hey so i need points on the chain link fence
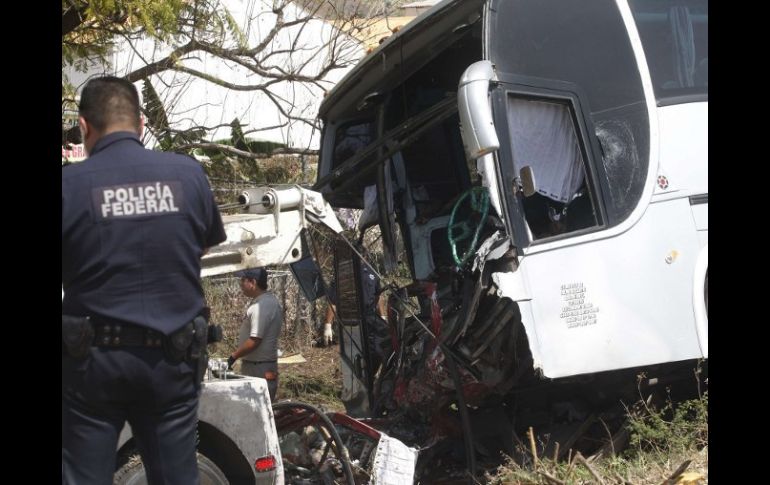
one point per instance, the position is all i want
(228, 308)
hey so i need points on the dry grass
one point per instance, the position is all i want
(317, 381)
(662, 441)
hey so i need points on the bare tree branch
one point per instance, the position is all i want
(243, 153)
(284, 54)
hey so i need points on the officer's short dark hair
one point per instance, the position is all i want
(109, 100)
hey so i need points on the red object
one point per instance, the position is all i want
(265, 464)
(354, 424)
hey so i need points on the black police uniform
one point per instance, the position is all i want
(135, 223)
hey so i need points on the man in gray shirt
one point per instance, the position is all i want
(260, 330)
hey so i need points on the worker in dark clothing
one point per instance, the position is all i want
(374, 315)
(135, 223)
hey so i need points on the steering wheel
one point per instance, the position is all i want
(461, 230)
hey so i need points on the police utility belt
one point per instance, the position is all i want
(189, 343)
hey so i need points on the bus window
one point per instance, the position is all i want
(350, 139)
(544, 138)
(675, 40)
(583, 48)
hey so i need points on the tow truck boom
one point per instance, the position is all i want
(269, 232)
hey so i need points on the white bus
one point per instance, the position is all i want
(539, 169)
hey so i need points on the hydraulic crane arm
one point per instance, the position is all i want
(269, 233)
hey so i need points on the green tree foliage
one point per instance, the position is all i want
(89, 26)
(244, 166)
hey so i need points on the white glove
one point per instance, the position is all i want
(327, 334)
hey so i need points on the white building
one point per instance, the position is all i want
(414, 9)
(301, 49)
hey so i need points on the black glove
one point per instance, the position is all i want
(230, 361)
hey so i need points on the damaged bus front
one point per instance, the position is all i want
(540, 167)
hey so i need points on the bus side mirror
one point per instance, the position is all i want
(476, 124)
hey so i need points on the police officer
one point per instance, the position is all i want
(135, 223)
